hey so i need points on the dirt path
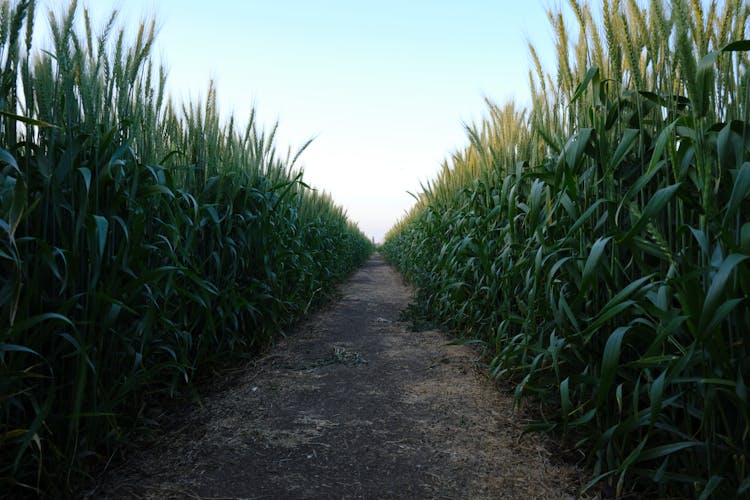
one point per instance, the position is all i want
(351, 405)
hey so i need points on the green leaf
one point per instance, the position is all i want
(701, 238)
(156, 190)
(744, 486)
(576, 146)
(9, 159)
(665, 136)
(716, 290)
(634, 455)
(39, 318)
(18, 207)
(653, 207)
(584, 217)
(29, 121)
(596, 480)
(711, 486)
(213, 213)
(71, 340)
(102, 226)
(636, 285)
(741, 388)
(605, 315)
(86, 174)
(562, 303)
(740, 191)
(17, 348)
(565, 398)
(722, 312)
(583, 419)
(610, 362)
(656, 395)
(592, 262)
(736, 46)
(626, 144)
(667, 449)
(652, 361)
(590, 74)
(704, 74)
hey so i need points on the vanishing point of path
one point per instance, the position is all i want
(352, 404)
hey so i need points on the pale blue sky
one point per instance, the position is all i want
(385, 86)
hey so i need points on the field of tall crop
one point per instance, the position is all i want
(598, 243)
(140, 242)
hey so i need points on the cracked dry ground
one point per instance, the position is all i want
(351, 404)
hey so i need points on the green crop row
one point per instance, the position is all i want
(139, 243)
(598, 244)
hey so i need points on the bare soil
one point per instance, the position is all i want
(352, 404)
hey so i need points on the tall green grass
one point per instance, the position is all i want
(598, 243)
(139, 242)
